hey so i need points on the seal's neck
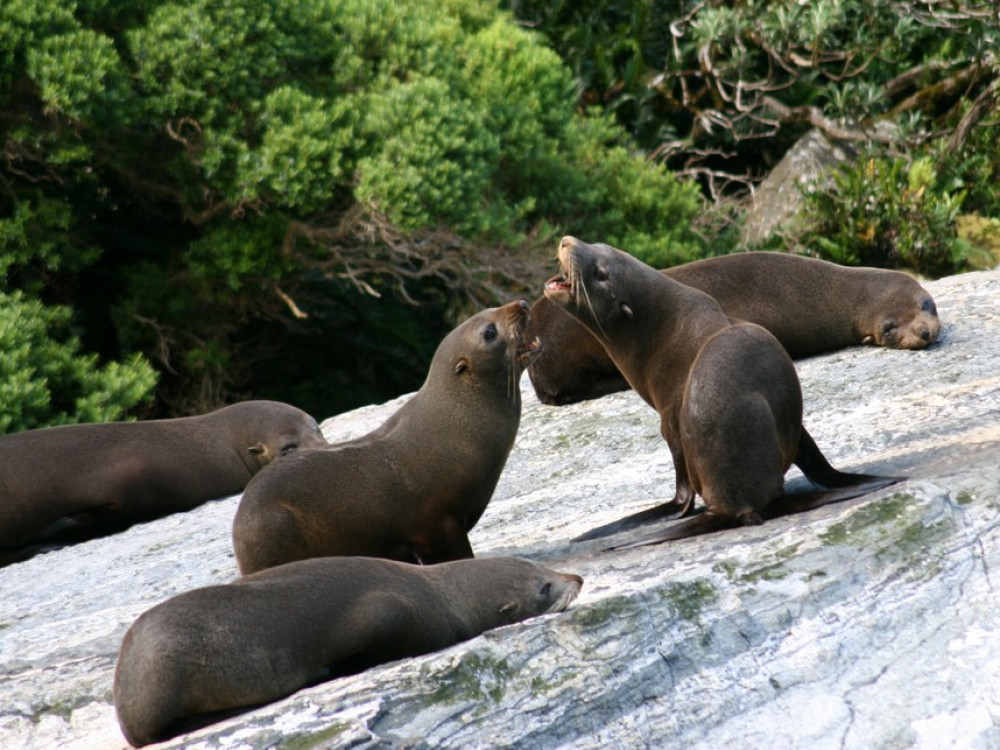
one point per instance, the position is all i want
(668, 325)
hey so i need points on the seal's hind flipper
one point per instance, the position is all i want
(799, 502)
(668, 511)
(785, 505)
(817, 469)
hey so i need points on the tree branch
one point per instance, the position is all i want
(815, 117)
(987, 101)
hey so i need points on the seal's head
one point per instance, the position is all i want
(589, 287)
(265, 431)
(504, 590)
(490, 349)
(913, 325)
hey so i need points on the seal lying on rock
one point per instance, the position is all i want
(811, 306)
(727, 392)
(204, 654)
(413, 488)
(66, 484)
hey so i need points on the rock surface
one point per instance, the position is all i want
(871, 623)
(778, 197)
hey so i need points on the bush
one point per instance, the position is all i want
(45, 380)
(209, 174)
(721, 90)
(887, 211)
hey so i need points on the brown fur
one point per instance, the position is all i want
(263, 637)
(412, 489)
(811, 306)
(67, 484)
(727, 392)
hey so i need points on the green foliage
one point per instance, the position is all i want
(721, 90)
(35, 240)
(632, 207)
(974, 168)
(81, 77)
(434, 160)
(235, 251)
(305, 145)
(887, 211)
(45, 381)
(194, 178)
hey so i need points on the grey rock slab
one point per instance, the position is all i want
(870, 623)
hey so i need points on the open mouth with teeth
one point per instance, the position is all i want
(559, 284)
(527, 351)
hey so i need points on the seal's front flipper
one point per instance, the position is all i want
(665, 512)
(705, 523)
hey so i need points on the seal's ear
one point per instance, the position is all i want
(461, 366)
(627, 311)
(256, 449)
(508, 608)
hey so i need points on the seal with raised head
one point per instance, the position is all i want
(811, 306)
(727, 392)
(413, 488)
(60, 485)
(209, 653)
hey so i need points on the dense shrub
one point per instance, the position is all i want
(720, 91)
(45, 380)
(884, 211)
(215, 182)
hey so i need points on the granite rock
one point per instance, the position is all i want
(870, 623)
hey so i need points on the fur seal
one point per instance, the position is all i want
(60, 485)
(727, 392)
(208, 653)
(413, 488)
(811, 306)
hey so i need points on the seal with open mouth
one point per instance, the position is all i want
(727, 393)
(413, 488)
(810, 305)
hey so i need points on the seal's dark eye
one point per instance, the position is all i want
(288, 448)
(929, 306)
(490, 333)
(888, 326)
(546, 589)
(600, 274)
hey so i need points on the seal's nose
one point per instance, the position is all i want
(568, 242)
(925, 334)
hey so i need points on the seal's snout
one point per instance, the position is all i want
(517, 310)
(563, 282)
(566, 247)
(517, 317)
(568, 589)
(917, 334)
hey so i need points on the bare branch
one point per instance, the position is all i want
(987, 101)
(290, 303)
(364, 246)
(948, 88)
(815, 117)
